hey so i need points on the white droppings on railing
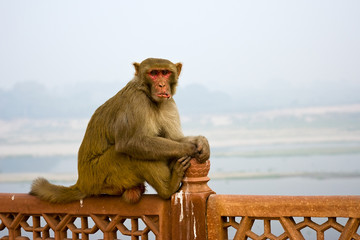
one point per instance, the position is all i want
(195, 236)
(193, 219)
(179, 199)
(81, 203)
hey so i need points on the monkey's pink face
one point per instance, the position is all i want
(160, 83)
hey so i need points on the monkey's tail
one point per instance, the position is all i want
(44, 190)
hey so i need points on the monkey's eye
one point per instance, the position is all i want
(154, 72)
(164, 72)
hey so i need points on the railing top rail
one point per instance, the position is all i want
(27, 204)
(277, 206)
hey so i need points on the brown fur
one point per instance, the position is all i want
(133, 137)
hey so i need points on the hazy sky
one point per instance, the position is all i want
(227, 45)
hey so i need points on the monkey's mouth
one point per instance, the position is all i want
(164, 95)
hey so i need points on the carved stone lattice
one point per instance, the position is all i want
(288, 228)
(68, 226)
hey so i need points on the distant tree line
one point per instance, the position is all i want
(33, 100)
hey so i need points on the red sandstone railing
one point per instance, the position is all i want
(194, 212)
(292, 215)
(103, 217)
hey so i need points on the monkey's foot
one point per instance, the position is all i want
(181, 166)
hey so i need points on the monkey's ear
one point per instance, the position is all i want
(178, 68)
(137, 67)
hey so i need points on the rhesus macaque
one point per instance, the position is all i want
(133, 137)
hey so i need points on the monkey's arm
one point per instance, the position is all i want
(155, 148)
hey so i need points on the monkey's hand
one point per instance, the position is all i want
(203, 149)
(202, 152)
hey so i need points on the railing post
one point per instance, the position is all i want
(189, 204)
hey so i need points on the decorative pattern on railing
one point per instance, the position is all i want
(288, 228)
(105, 218)
(283, 217)
(49, 226)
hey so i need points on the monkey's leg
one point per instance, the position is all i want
(164, 180)
(110, 173)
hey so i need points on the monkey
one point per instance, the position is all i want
(133, 138)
